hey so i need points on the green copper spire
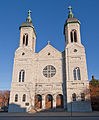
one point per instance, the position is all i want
(70, 12)
(29, 17)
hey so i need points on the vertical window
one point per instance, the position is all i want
(82, 97)
(74, 97)
(23, 73)
(16, 98)
(76, 73)
(21, 76)
(73, 35)
(25, 39)
(24, 98)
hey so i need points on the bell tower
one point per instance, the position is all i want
(27, 34)
(77, 83)
(72, 29)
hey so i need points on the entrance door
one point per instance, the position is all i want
(49, 101)
(38, 101)
(59, 101)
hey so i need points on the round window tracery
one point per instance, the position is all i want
(49, 71)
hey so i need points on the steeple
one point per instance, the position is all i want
(29, 17)
(27, 34)
(70, 12)
(72, 29)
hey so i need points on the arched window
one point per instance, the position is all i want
(24, 98)
(82, 97)
(21, 76)
(76, 73)
(73, 35)
(74, 97)
(25, 39)
(16, 98)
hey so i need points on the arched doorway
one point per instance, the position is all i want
(59, 101)
(38, 101)
(49, 101)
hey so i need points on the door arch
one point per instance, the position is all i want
(38, 101)
(49, 101)
(59, 101)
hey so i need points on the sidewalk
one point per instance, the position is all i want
(87, 114)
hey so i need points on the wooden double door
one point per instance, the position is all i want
(49, 101)
(38, 101)
(59, 101)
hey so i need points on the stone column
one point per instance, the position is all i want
(54, 101)
(43, 101)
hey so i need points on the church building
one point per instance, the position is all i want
(50, 79)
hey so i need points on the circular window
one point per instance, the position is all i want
(48, 53)
(23, 53)
(49, 71)
(75, 50)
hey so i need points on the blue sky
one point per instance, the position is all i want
(48, 17)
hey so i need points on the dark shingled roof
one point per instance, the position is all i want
(27, 24)
(72, 20)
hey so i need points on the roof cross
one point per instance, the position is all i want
(48, 42)
(29, 12)
(70, 12)
(69, 8)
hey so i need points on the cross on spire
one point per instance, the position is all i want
(48, 42)
(69, 8)
(70, 12)
(29, 17)
(29, 12)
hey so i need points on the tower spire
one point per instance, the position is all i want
(70, 12)
(29, 17)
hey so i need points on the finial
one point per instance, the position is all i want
(70, 12)
(48, 42)
(29, 12)
(29, 17)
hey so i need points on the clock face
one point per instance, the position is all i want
(49, 71)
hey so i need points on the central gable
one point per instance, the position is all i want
(49, 52)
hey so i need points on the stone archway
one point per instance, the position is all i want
(49, 101)
(59, 101)
(38, 101)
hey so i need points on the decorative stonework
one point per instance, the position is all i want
(50, 78)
